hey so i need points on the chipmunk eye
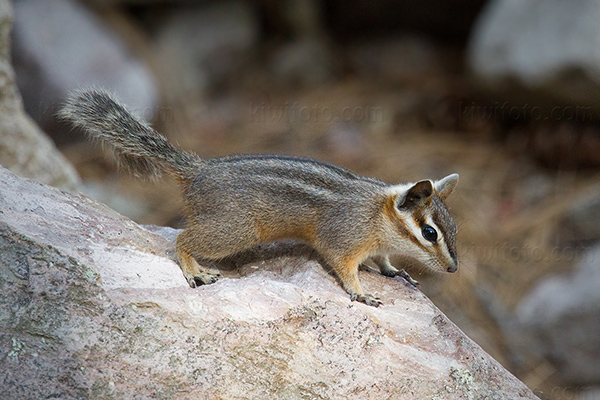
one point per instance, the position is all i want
(429, 233)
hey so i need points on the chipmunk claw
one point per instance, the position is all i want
(403, 274)
(203, 278)
(366, 299)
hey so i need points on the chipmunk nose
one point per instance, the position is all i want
(453, 267)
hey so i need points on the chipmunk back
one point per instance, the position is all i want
(234, 203)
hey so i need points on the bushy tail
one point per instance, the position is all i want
(145, 152)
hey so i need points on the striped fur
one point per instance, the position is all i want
(145, 152)
(409, 221)
(236, 202)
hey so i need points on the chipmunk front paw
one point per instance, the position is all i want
(403, 274)
(408, 278)
(202, 278)
(367, 299)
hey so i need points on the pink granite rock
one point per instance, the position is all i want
(93, 306)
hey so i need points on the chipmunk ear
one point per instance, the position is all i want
(417, 195)
(445, 186)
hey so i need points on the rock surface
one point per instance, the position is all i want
(92, 306)
(542, 48)
(24, 148)
(59, 46)
(560, 320)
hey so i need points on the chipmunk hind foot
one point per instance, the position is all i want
(193, 273)
(367, 299)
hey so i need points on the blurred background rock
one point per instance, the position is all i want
(504, 92)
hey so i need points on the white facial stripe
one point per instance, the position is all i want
(425, 252)
(416, 230)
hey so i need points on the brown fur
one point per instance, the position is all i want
(234, 203)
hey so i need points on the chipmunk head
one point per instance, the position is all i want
(423, 226)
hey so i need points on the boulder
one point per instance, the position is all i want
(24, 148)
(542, 53)
(61, 45)
(92, 305)
(560, 321)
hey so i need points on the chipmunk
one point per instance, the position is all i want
(234, 203)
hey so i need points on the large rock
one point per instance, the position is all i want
(544, 51)
(92, 306)
(60, 45)
(24, 148)
(560, 321)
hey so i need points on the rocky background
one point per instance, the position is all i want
(504, 92)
